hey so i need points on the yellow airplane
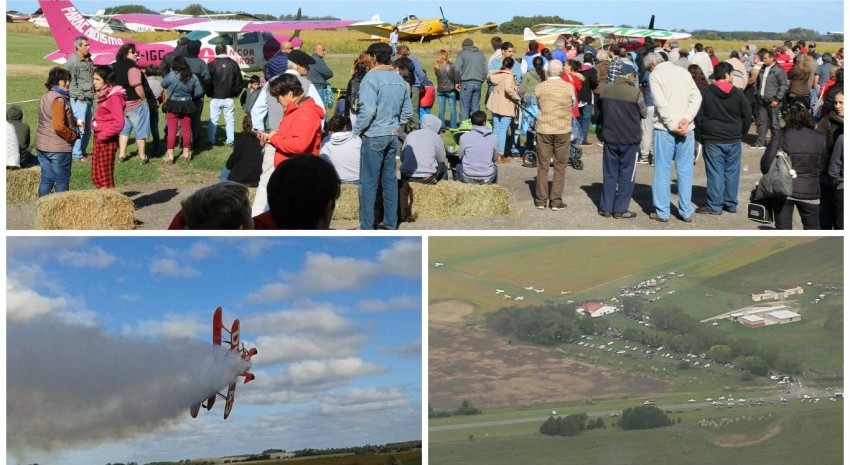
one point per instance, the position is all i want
(413, 29)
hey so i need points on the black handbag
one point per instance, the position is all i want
(759, 210)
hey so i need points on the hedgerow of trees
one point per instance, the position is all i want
(570, 425)
(465, 409)
(643, 417)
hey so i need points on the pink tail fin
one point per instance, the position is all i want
(67, 23)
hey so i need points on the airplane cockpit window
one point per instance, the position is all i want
(225, 39)
(267, 36)
(197, 35)
(409, 18)
(248, 38)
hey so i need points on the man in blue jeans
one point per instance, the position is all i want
(471, 67)
(722, 120)
(384, 107)
(677, 101)
(82, 94)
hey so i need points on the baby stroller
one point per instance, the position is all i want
(529, 158)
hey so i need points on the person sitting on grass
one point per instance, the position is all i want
(15, 116)
(423, 155)
(224, 205)
(302, 194)
(245, 164)
(342, 149)
(478, 153)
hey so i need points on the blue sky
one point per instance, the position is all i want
(337, 322)
(766, 15)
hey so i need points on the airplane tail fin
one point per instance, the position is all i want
(67, 23)
(528, 34)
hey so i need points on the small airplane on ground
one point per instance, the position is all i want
(245, 39)
(439, 264)
(413, 29)
(237, 349)
(13, 16)
(627, 37)
(499, 291)
(539, 290)
(529, 288)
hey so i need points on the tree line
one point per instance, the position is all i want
(547, 324)
(570, 425)
(465, 409)
(197, 9)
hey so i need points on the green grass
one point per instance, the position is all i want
(806, 434)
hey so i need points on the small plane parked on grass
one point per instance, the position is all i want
(627, 37)
(413, 29)
(237, 349)
(244, 39)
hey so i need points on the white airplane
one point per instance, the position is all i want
(499, 291)
(439, 264)
(539, 290)
(506, 297)
(529, 288)
(565, 292)
(519, 298)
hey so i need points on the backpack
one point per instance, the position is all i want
(778, 182)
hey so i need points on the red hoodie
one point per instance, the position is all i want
(108, 118)
(300, 130)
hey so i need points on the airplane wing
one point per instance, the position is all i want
(376, 27)
(195, 23)
(231, 396)
(464, 30)
(554, 30)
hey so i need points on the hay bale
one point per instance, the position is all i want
(22, 185)
(91, 209)
(348, 204)
(446, 199)
(453, 199)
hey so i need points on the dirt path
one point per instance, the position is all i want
(157, 204)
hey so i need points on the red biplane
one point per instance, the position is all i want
(236, 349)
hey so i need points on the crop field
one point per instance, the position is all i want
(518, 384)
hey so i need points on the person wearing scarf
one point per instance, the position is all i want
(56, 133)
(107, 124)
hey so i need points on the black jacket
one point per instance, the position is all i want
(622, 109)
(590, 83)
(723, 117)
(226, 78)
(807, 150)
(246, 161)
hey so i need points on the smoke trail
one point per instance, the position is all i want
(71, 385)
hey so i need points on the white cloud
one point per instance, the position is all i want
(171, 326)
(255, 246)
(412, 350)
(89, 257)
(201, 251)
(25, 246)
(305, 316)
(325, 273)
(288, 348)
(395, 303)
(363, 400)
(171, 267)
(130, 297)
(23, 303)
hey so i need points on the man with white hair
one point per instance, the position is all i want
(554, 125)
(677, 101)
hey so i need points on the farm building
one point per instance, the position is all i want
(766, 316)
(752, 321)
(773, 294)
(595, 309)
(782, 316)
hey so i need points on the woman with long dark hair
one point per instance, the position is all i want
(806, 149)
(56, 133)
(107, 124)
(181, 87)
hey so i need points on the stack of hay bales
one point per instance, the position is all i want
(91, 209)
(22, 185)
(446, 199)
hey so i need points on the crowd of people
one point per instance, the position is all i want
(656, 105)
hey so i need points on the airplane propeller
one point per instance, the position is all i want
(445, 21)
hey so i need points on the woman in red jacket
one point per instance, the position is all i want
(107, 124)
(300, 130)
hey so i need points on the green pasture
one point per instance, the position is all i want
(796, 433)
